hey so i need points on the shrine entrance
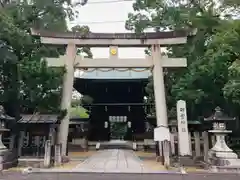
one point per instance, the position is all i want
(154, 62)
(118, 127)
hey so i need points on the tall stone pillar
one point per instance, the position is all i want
(183, 134)
(159, 89)
(68, 79)
(160, 99)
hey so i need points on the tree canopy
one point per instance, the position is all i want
(26, 81)
(212, 76)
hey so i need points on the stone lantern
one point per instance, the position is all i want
(221, 154)
(7, 158)
(3, 119)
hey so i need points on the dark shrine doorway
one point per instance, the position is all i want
(118, 109)
(119, 122)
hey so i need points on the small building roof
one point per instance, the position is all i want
(39, 118)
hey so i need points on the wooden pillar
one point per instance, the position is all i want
(47, 154)
(190, 144)
(205, 145)
(197, 143)
(57, 157)
(166, 153)
(172, 141)
(12, 141)
(37, 143)
(20, 142)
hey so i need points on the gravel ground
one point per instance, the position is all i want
(99, 176)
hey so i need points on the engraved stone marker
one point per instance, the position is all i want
(183, 138)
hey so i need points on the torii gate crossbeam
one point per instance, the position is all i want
(117, 63)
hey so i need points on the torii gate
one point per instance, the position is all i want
(71, 61)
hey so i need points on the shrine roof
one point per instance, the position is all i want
(38, 118)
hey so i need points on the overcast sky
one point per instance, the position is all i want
(94, 12)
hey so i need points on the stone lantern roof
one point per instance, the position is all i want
(4, 116)
(218, 115)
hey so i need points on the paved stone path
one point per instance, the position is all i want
(115, 160)
(113, 176)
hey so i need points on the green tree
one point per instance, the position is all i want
(38, 87)
(209, 53)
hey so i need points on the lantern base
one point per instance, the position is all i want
(8, 159)
(221, 154)
(223, 158)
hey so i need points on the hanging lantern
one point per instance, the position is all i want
(106, 108)
(122, 119)
(129, 124)
(113, 118)
(129, 108)
(105, 124)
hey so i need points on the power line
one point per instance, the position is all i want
(109, 1)
(98, 22)
(105, 22)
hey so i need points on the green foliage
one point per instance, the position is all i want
(212, 76)
(86, 99)
(232, 87)
(26, 79)
(84, 30)
(78, 112)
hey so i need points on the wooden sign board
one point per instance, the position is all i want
(161, 134)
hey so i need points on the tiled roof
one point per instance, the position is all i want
(39, 118)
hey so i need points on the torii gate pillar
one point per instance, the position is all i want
(68, 79)
(160, 102)
(159, 88)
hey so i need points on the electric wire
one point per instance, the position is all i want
(104, 2)
(108, 2)
(98, 22)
